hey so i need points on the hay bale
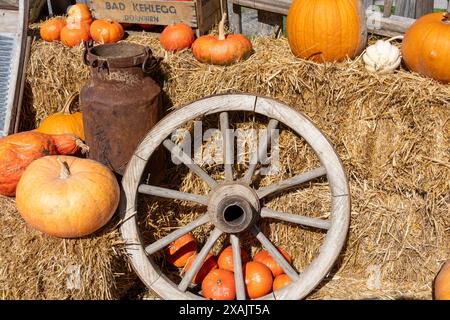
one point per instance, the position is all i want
(36, 266)
(391, 131)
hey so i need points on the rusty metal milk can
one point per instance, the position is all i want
(120, 103)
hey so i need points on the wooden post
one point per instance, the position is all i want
(234, 17)
(413, 8)
(388, 8)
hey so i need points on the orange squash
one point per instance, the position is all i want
(106, 31)
(207, 265)
(177, 37)
(258, 279)
(18, 150)
(67, 197)
(426, 46)
(326, 30)
(75, 33)
(79, 12)
(219, 285)
(442, 283)
(64, 121)
(180, 250)
(221, 49)
(225, 260)
(281, 281)
(265, 258)
(50, 30)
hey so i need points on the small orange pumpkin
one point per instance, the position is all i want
(219, 285)
(221, 49)
(64, 121)
(66, 196)
(179, 251)
(258, 279)
(426, 46)
(207, 265)
(50, 30)
(225, 260)
(106, 31)
(281, 281)
(79, 12)
(75, 33)
(18, 150)
(442, 283)
(177, 37)
(265, 258)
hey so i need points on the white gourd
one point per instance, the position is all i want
(382, 57)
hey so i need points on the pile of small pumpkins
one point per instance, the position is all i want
(79, 26)
(221, 49)
(316, 34)
(57, 191)
(216, 274)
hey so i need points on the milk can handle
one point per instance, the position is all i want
(100, 64)
(150, 62)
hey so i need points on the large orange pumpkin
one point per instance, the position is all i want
(442, 283)
(64, 121)
(225, 260)
(50, 30)
(221, 49)
(75, 33)
(179, 251)
(219, 285)
(79, 12)
(207, 265)
(258, 279)
(18, 150)
(326, 30)
(67, 197)
(106, 31)
(426, 46)
(177, 37)
(265, 258)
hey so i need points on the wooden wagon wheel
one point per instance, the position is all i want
(235, 195)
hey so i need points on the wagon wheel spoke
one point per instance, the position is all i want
(187, 279)
(172, 194)
(273, 251)
(294, 218)
(162, 243)
(237, 265)
(262, 149)
(291, 182)
(189, 162)
(228, 150)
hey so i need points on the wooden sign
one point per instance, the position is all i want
(146, 11)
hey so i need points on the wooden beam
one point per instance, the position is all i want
(413, 8)
(388, 8)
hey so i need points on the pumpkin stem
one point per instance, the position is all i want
(222, 27)
(66, 109)
(65, 172)
(84, 148)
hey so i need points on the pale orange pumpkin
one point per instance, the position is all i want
(442, 283)
(106, 31)
(221, 49)
(426, 46)
(177, 37)
(326, 30)
(281, 281)
(50, 30)
(79, 12)
(75, 33)
(66, 196)
(64, 121)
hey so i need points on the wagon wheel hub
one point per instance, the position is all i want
(233, 207)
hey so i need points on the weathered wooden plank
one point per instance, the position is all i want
(269, 22)
(392, 26)
(413, 8)
(234, 16)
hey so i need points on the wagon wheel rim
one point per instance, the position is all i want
(331, 166)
